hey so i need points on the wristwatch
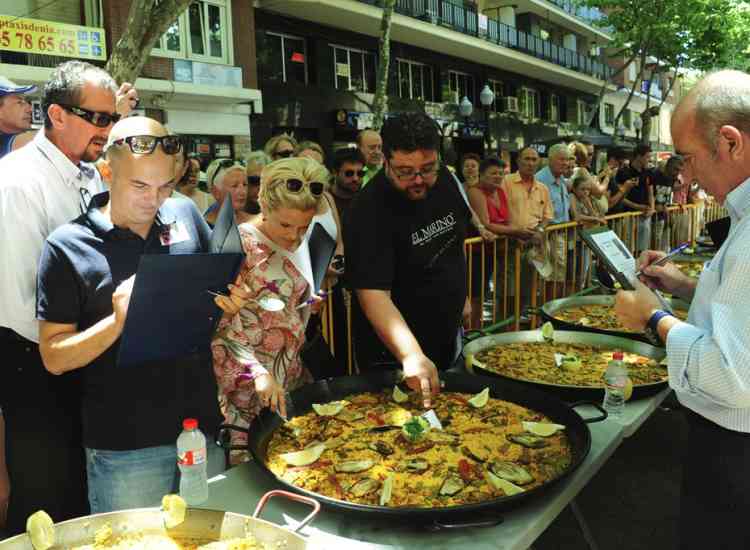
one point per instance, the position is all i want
(650, 331)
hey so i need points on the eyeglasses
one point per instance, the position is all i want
(253, 180)
(98, 119)
(295, 186)
(350, 173)
(284, 154)
(145, 145)
(409, 174)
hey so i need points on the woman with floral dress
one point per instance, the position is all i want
(256, 352)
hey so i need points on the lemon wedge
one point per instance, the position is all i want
(329, 409)
(398, 395)
(305, 456)
(571, 362)
(542, 429)
(41, 530)
(504, 485)
(480, 399)
(548, 331)
(173, 508)
(385, 493)
(628, 391)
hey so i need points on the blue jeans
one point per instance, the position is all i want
(119, 480)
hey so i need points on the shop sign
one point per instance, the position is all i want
(51, 38)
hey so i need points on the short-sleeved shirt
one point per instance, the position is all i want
(415, 249)
(639, 193)
(558, 192)
(527, 206)
(81, 265)
(663, 185)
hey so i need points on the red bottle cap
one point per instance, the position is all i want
(189, 424)
(617, 356)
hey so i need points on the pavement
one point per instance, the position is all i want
(633, 502)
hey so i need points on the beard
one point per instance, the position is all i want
(415, 191)
(93, 150)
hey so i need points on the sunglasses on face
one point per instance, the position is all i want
(295, 186)
(253, 180)
(284, 154)
(350, 173)
(145, 145)
(98, 119)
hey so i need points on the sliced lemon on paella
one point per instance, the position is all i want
(41, 530)
(542, 429)
(173, 508)
(387, 490)
(504, 485)
(548, 331)
(305, 456)
(329, 409)
(480, 399)
(398, 395)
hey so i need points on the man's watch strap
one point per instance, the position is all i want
(651, 327)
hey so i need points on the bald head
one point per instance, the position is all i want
(371, 146)
(128, 127)
(720, 99)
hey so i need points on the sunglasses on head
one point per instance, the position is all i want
(145, 145)
(98, 119)
(284, 154)
(295, 186)
(350, 173)
(253, 180)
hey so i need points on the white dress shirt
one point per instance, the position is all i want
(709, 356)
(40, 189)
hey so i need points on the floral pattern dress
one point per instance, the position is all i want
(255, 341)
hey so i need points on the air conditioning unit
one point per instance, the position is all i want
(510, 104)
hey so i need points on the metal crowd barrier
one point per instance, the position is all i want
(504, 285)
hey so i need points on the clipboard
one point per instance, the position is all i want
(321, 246)
(171, 314)
(620, 263)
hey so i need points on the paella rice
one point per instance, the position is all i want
(601, 316)
(377, 453)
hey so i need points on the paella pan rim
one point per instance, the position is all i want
(578, 433)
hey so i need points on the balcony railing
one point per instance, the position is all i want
(466, 21)
(590, 15)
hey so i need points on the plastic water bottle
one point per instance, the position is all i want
(191, 459)
(615, 382)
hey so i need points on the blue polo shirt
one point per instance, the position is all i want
(81, 265)
(558, 192)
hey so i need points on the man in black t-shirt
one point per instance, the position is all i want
(664, 179)
(131, 416)
(405, 258)
(640, 198)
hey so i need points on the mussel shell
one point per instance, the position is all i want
(417, 465)
(354, 466)
(381, 447)
(452, 485)
(364, 487)
(528, 440)
(511, 472)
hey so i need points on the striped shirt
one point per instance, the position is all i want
(709, 356)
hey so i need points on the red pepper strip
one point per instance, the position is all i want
(379, 420)
(475, 430)
(313, 466)
(459, 398)
(421, 449)
(465, 470)
(336, 485)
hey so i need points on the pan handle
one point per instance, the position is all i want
(222, 442)
(440, 526)
(594, 404)
(291, 496)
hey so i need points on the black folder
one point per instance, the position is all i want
(171, 313)
(321, 246)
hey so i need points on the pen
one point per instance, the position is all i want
(321, 294)
(665, 259)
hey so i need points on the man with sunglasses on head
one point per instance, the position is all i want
(45, 184)
(405, 258)
(131, 417)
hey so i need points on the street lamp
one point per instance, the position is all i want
(638, 125)
(465, 108)
(486, 98)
